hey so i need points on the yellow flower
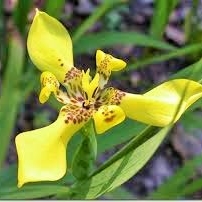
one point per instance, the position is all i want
(42, 152)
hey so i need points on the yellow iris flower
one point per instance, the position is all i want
(42, 152)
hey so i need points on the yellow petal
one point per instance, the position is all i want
(49, 45)
(49, 84)
(162, 105)
(107, 117)
(42, 152)
(106, 61)
(105, 64)
(88, 85)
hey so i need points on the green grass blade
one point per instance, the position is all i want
(3, 46)
(10, 96)
(54, 8)
(173, 187)
(8, 176)
(189, 189)
(120, 193)
(160, 58)
(162, 11)
(189, 26)
(193, 72)
(91, 42)
(97, 14)
(21, 14)
(32, 191)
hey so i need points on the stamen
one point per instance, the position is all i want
(95, 91)
(90, 86)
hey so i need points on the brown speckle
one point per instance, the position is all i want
(110, 119)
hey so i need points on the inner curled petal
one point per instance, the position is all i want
(49, 83)
(105, 64)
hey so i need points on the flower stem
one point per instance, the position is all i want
(85, 155)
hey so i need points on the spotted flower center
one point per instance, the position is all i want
(90, 88)
(81, 89)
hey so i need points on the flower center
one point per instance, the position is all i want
(90, 87)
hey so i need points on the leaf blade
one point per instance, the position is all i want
(105, 39)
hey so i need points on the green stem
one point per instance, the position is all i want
(86, 153)
(89, 132)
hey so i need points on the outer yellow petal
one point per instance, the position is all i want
(107, 117)
(162, 105)
(49, 45)
(42, 152)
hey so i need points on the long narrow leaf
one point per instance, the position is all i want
(32, 191)
(10, 96)
(119, 171)
(91, 42)
(21, 14)
(160, 58)
(54, 8)
(98, 13)
(162, 11)
(176, 185)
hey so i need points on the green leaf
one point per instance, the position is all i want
(3, 35)
(54, 8)
(91, 42)
(191, 188)
(86, 153)
(21, 14)
(192, 121)
(93, 18)
(193, 72)
(190, 49)
(118, 135)
(31, 191)
(176, 185)
(190, 25)
(120, 193)
(8, 176)
(162, 11)
(10, 95)
(120, 170)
